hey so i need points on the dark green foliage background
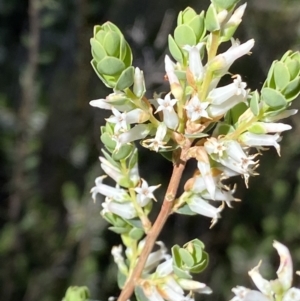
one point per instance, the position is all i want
(51, 233)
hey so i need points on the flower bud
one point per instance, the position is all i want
(112, 57)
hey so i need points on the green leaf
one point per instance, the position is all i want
(185, 209)
(184, 35)
(133, 159)
(77, 293)
(121, 279)
(110, 159)
(167, 155)
(197, 25)
(237, 111)
(111, 43)
(98, 51)
(110, 66)
(126, 54)
(186, 16)
(270, 82)
(225, 4)
(254, 103)
(223, 128)
(281, 75)
(123, 152)
(196, 135)
(118, 230)
(292, 90)
(273, 98)
(108, 141)
(126, 79)
(107, 82)
(198, 268)
(293, 67)
(100, 35)
(186, 257)
(181, 273)
(211, 20)
(135, 223)
(136, 234)
(175, 50)
(176, 255)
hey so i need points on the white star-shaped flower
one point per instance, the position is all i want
(145, 193)
(196, 109)
(119, 119)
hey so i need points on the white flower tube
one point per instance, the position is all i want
(195, 63)
(167, 106)
(125, 210)
(285, 270)
(117, 194)
(223, 61)
(258, 140)
(202, 207)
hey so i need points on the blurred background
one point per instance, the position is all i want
(51, 233)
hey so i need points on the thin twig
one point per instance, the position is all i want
(158, 225)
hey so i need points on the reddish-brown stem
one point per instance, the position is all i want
(158, 224)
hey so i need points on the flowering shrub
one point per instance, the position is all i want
(223, 128)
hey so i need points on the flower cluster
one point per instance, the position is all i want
(163, 278)
(224, 128)
(279, 289)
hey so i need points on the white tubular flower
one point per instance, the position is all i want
(111, 170)
(137, 132)
(219, 95)
(175, 86)
(170, 70)
(138, 82)
(258, 140)
(126, 210)
(278, 289)
(222, 193)
(194, 286)
(116, 252)
(156, 257)
(269, 127)
(234, 157)
(195, 109)
(134, 175)
(165, 268)
(152, 294)
(145, 193)
(220, 110)
(285, 270)
(222, 15)
(215, 146)
(223, 61)
(117, 100)
(292, 294)
(202, 207)
(205, 170)
(236, 17)
(172, 291)
(119, 119)
(167, 106)
(262, 284)
(122, 120)
(281, 115)
(117, 194)
(195, 64)
(157, 142)
(244, 294)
